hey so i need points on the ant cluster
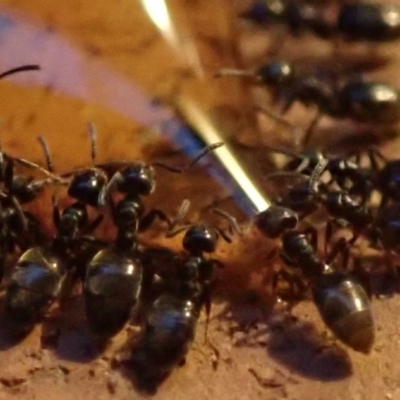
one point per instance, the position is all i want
(120, 278)
(342, 188)
(123, 276)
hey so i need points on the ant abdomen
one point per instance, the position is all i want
(373, 102)
(36, 282)
(167, 335)
(111, 290)
(345, 308)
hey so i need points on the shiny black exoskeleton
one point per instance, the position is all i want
(344, 194)
(114, 276)
(170, 323)
(298, 16)
(341, 300)
(18, 228)
(40, 274)
(343, 205)
(355, 21)
(359, 100)
(369, 21)
(373, 102)
(93, 186)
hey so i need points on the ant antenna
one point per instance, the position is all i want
(47, 153)
(12, 71)
(296, 131)
(232, 221)
(316, 174)
(235, 72)
(198, 157)
(44, 171)
(93, 141)
(183, 210)
(50, 166)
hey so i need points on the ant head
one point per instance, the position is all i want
(200, 239)
(24, 189)
(276, 73)
(136, 179)
(275, 221)
(88, 186)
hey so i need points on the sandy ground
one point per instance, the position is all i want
(105, 63)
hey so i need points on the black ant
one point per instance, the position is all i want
(42, 272)
(18, 228)
(345, 207)
(359, 21)
(340, 299)
(114, 277)
(342, 302)
(362, 101)
(170, 322)
(345, 174)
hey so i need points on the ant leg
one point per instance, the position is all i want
(20, 214)
(9, 175)
(312, 234)
(105, 195)
(277, 118)
(287, 105)
(297, 289)
(341, 246)
(217, 263)
(271, 255)
(328, 235)
(311, 129)
(56, 214)
(206, 300)
(363, 277)
(146, 221)
(3, 256)
(93, 225)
